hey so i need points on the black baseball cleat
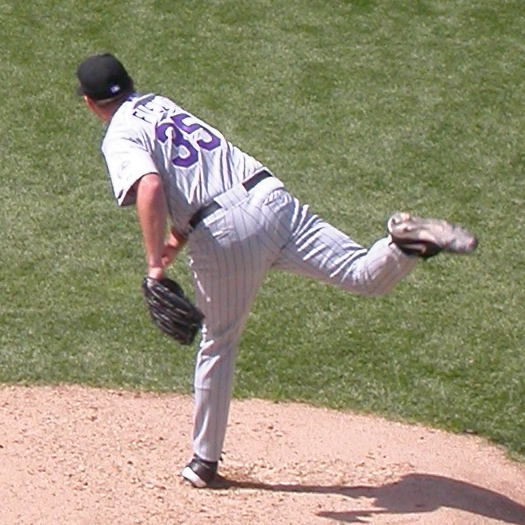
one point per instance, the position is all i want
(200, 473)
(428, 237)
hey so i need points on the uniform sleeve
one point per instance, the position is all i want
(126, 161)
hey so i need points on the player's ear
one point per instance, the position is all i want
(89, 103)
(94, 108)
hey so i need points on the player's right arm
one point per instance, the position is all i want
(173, 244)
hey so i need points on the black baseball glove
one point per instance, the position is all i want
(170, 310)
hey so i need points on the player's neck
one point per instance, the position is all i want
(103, 112)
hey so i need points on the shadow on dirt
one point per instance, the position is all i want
(412, 494)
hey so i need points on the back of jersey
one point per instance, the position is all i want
(150, 133)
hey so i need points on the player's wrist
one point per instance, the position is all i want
(155, 272)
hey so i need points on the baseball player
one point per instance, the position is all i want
(192, 187)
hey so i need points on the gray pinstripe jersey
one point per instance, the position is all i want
(151, 134)
(232, 249)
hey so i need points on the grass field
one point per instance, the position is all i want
(362, 108)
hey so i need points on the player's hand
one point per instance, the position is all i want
(174, 243)
(169, 253)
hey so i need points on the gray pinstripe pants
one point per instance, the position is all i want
(230, 254)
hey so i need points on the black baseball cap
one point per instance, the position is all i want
(102, 76)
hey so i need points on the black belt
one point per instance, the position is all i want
(213, 206)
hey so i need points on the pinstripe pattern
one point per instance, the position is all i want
(230, 255)
(231, 250)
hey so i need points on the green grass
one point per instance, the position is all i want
(362, 108)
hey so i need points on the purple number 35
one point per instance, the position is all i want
(187, 152)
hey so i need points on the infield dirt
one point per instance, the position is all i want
(78, 456)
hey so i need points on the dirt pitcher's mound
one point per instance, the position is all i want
(78, 456)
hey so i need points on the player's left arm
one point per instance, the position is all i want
(161, 248)
(152, 215)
